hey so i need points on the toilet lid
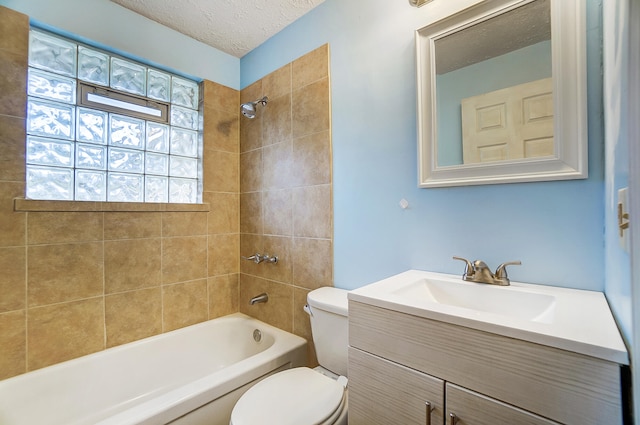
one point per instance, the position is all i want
(293, 397)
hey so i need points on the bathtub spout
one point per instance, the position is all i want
(262, 298)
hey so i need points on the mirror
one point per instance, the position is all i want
(502, 94)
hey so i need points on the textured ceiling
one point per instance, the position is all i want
(233, 26)
(513, 30)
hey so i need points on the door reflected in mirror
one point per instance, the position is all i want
(490, 80)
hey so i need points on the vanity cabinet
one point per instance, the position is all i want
(398, 362)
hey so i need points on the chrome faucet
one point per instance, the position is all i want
(478, 271)
(262, 298)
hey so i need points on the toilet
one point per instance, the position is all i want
(304, 396)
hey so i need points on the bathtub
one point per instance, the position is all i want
(191, 376)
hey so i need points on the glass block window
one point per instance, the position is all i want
(105, 128)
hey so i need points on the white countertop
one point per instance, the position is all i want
(578, 320)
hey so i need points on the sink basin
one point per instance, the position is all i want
(481, 297)
(570, 319)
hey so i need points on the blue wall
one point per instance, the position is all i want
(555, 228)
(617, 260)
(109, 24)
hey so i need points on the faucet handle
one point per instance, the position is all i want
(468, 268)
(501, 271)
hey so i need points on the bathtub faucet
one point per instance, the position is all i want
(262, 298)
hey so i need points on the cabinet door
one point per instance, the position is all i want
(383, 392)
(464, 407)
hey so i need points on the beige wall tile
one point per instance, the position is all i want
(223, 295)
(312, 259)
(224, 216)
(281, 247)
(13, 282)
(184, 259)
(311, 67)
(221, 97)
(222, 129)
(12, 224)
(277, 166)
(223, 254)
(302, 324)
(251, 171)
(12, 146)
(221, 171)
(250, 133)
(129, 225)
(251, 212)
(65, 272)
(276, 120)
(278, 83)
(13, 344)
(13, 83)
(312, 112)
(184, 224)
(312, 212)
(278, 311)
(64, 331)
(60, 227)
(277, 210)
(184, 304)
(132, 264)
(14, 32)
(311, 162)
(252, 92)
(131, 316)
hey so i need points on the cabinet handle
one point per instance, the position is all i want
(453, 419)
(428, 409)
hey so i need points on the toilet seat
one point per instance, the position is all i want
(299, 396)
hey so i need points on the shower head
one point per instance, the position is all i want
(249, 109)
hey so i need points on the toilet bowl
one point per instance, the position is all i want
(304, 396)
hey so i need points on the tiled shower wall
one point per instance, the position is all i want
(76, 278)
(286, 192)
(79, 277)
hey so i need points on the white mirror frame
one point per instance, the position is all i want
(568, 45)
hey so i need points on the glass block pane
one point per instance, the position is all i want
(182, 117)
(92, 126)
(158, 85)
(41, 151)
(184, 142)
(51, 86)
(93, 66)
(128, 76)
(50, 119)
(183, 191)
(184, 93)
(184, 167)
(52, 54)
(91, 156)
(126, 160)
(125, 131)
(125, 188)
(91, 185)
(156, 189)
(157, 164)
(157, 137)
(49, 183)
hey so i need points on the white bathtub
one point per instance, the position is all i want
(191, 376)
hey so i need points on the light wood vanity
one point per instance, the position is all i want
(409, 369)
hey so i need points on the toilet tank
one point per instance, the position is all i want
(330, 327)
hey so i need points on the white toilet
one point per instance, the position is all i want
(303, 396)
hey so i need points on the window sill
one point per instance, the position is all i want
(26, 205)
